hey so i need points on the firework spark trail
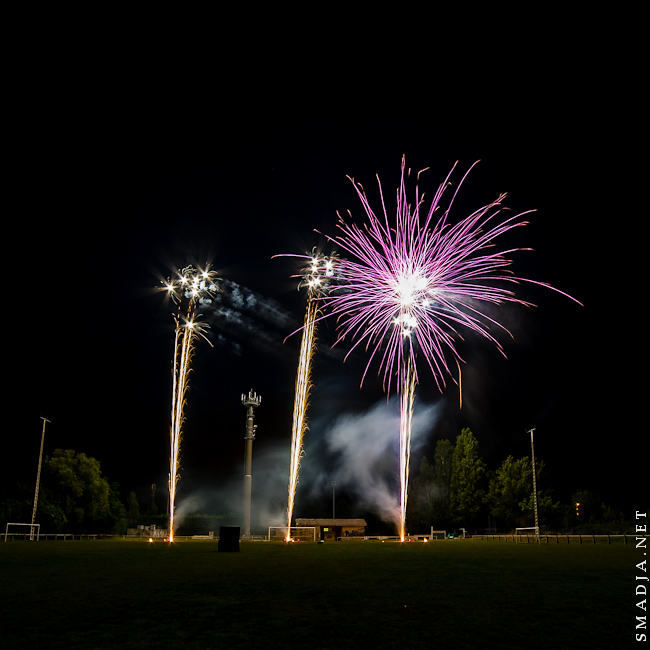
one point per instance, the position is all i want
(303, 387)
(188, 290)
(316, 278)
(407, 397)
(183, 350)
(413, 285)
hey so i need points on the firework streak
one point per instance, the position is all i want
(189, 289)
(183, 349)
(303, 387)
(407, 398)
(408, 288)
(316, 278)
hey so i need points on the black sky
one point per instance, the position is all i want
(118, 184)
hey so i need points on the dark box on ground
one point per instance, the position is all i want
(228, 538)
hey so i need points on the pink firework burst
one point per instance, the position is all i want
(419, 283)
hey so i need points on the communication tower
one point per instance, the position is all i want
(251, 402)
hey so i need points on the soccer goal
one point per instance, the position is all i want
(296, 534)
(31, 532)
(438, 534)
(525, 534)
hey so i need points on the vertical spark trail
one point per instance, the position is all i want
(316, 277)
(183, 349)
(303, 387)
(407, 397)
(188, 290)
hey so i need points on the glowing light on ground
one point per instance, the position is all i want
(189, 289)
(410, 286)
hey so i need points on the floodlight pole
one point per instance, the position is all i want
(251, 402)
(38, 479)
(333, 484)
(532, 450)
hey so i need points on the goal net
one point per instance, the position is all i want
(32, 528)
(296, 534)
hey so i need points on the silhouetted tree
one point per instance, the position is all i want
(132, 509)
(421, 499)
(75, 497)
(443, 464)
(588, 516)
(467, 478)
(511, 484)
(550, 512)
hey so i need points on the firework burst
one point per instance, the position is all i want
(412, 286)
(190, 289)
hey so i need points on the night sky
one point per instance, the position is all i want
(120, 185)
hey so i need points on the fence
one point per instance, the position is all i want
(557, 538)
(55, 536)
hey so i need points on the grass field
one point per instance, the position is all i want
(446, 594)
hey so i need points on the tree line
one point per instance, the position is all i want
(457, 490)
(74, 497)
(454, 490)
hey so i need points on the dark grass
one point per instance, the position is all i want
(452, 594)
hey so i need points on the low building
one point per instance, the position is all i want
(334, 529)
(147, 531)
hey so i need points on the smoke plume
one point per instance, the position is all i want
(361, 451)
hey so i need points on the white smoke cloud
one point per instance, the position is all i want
(190, 504)
(362, 451)
(358, 450)
(240, 315)
(226, 496)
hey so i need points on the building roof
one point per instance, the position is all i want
(331, 522)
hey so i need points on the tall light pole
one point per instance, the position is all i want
(333, 484)
(38, 479)
(532, 450)
(251, 402)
